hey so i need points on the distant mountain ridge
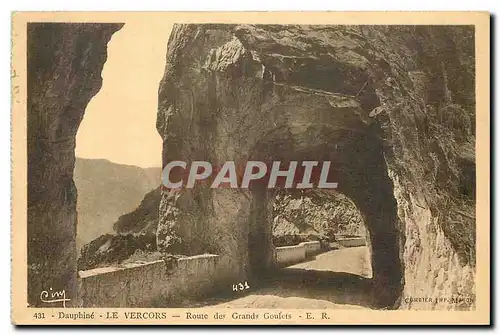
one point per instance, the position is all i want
(106, 191)
(134, 235)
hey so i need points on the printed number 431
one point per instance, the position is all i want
(39, 316)
(240, 286)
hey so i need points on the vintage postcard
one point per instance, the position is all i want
(250, 168)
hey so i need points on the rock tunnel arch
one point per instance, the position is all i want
(360, 171)
(229, 104)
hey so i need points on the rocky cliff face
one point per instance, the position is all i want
(143, 219)
(316, 214)
(64, 72)
(392, 106)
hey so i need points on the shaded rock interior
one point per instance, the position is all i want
(65, 61)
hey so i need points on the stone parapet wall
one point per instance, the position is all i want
(154, 284)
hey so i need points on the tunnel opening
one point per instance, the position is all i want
(358, 166)
(322, 247)
(323, 215)
(117, 171)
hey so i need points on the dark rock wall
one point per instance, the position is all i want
(392, 106)
(64, 72)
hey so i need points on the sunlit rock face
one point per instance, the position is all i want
(392, 106)
(314, 214)
(64, 72)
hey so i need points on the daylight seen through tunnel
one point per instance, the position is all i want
(118, 152)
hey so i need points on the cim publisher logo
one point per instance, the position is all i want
(276, 174)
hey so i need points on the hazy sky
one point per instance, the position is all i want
(120, 121)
